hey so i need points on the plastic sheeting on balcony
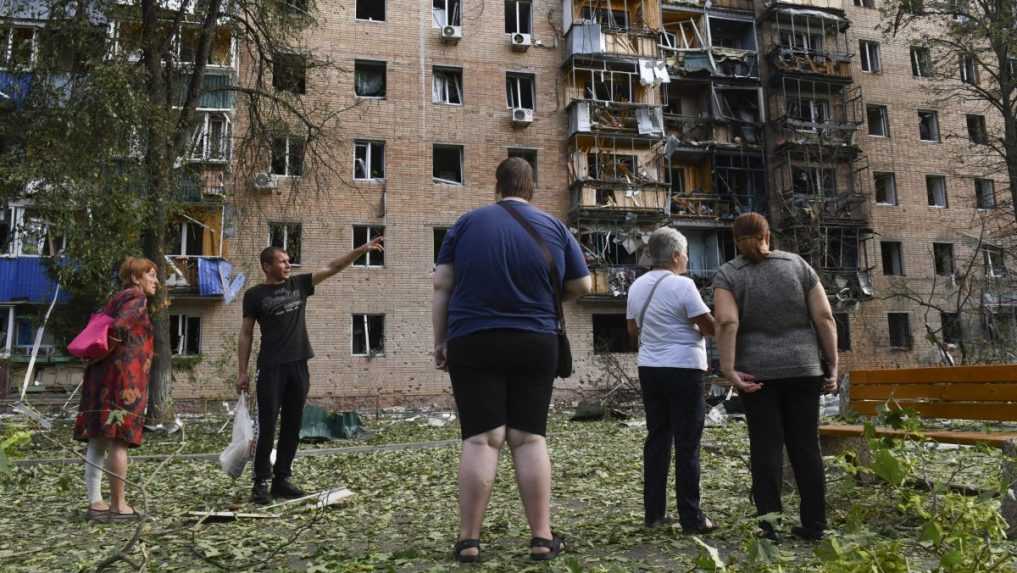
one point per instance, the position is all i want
(25, 279)
(14, 88)
(205, 277)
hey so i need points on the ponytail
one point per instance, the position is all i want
(752, 236)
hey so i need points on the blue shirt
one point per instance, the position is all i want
(502, 279)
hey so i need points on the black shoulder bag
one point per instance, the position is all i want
(564, 348)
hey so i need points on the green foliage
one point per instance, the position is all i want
(12, 438)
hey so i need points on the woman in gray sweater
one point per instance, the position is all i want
(778, 347)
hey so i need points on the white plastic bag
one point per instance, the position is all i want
(233, 459)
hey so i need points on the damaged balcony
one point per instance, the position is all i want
(806, 39)
(710, 188)
(815, 190)
(198, 244)
(202, 184)
(625, 28)
(816, 113)
(708, 115)
(611, 177)
(708, 249)
(613, 252)
(840, 255)
(705, 44)
(734, 5)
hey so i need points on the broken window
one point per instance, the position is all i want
(611, 166)
(893, 259)
(921, 62)
(865, 3)
(869, 52)
(886, 188)
(968, 69)
(368, 160)
(286, 236)
(808, 110)
(935, 189)
(518, 17)
(611, 19)
(446, 13)
(614, 84)
(707, 251)
(220, 51)
(368, 334)
(211, 139)
(519, 90)
(942, 254)
(17, 47)
(363, 234)
(995, 265)
(289, 72)
(976, 129)
(610, 248)
(811, 180)
(447, 86)
(841, 248)
(928, 126)
(24, 232)
(878, 121)
(186, 239)
(447, 164)
(530, 155)
(611, 335)
(439, 240)
(899, 324)
(288, 156)
(185, 335)
(801, 40)
(985, 194)
(371, 10)
(843, 331)
(951, 327)
(369, 79)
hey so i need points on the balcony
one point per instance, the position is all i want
(648, 202)
(199, 277)
(618, 118)
(206, 185)
(611, 283)
(592, 39)
(734, 5)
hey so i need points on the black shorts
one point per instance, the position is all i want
(503, 378)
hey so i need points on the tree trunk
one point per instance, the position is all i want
(160, 387)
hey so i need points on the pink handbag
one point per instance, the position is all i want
(93, 342)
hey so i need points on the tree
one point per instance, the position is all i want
(970, 48)
(102, 117)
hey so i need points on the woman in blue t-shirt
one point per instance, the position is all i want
(495, 331)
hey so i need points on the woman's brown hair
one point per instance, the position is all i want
(752, 236)
(132, 268)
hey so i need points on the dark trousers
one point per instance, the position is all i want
(786, 413)
(282, 389)
(675, 412)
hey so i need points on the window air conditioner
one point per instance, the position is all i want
(451, 34)
(521, 42)
(265, 182)
(522, 116)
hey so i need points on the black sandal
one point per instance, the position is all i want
(464, 544)
(555, 546)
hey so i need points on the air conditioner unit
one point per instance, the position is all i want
(522, 116)
(451, 34)
(265, 182)
(521, 42)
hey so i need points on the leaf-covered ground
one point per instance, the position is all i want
(403, 516)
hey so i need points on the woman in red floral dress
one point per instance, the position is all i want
(115, 392)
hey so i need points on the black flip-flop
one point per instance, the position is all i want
(93, 514)
(555, 546)
(464, 544)
(117, 516)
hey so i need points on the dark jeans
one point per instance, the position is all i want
(675, 412)
(281, 389)
(786, 413)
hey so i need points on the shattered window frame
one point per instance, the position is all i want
(181, 236)
(185, 335)
(367, 335)
(288, 236)
(436, 175)
(978, 133)
(880, 128)
(440, 15)
(936, 191)
(210, 143)
(608, 19)
(288, 156)
(943, 259)
(888, 190)
(985, 194)
(995, 262)
(514, 10)
(968, 69)
(362, 234)
(518, 88)
(843, 323)
(869, 56)
(928, 126)
(363, 12)
(921, 62)
(13, 55)
(447, 85)
(364, 68)
(368, 160)
(892, 257)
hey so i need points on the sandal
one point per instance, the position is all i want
(462, 545)
(117, 516)
(94, 514)
(555, 546)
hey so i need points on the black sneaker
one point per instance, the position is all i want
(704, 527)
(807, 533)
(259, 492)
(284, 488)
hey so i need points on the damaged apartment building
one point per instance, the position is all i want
(634, 114)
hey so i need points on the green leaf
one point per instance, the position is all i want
(889, 467)
(932, 533)
(829, 550)
(951, 559)
(763, 550)
(709, 557)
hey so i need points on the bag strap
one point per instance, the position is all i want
(555, 280)
(646, 305)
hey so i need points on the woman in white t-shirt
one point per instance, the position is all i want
(667, 313)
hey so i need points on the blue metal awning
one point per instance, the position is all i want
(24, 279)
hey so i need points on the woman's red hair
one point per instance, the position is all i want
(133, 268)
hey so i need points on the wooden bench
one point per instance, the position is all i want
(987, 393)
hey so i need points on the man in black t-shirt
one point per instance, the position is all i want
(278, 306)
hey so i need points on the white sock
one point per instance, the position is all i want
(96, 459)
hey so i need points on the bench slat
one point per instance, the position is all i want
(999, 411)
(987, 373)
(995, 439)
(955, 392)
